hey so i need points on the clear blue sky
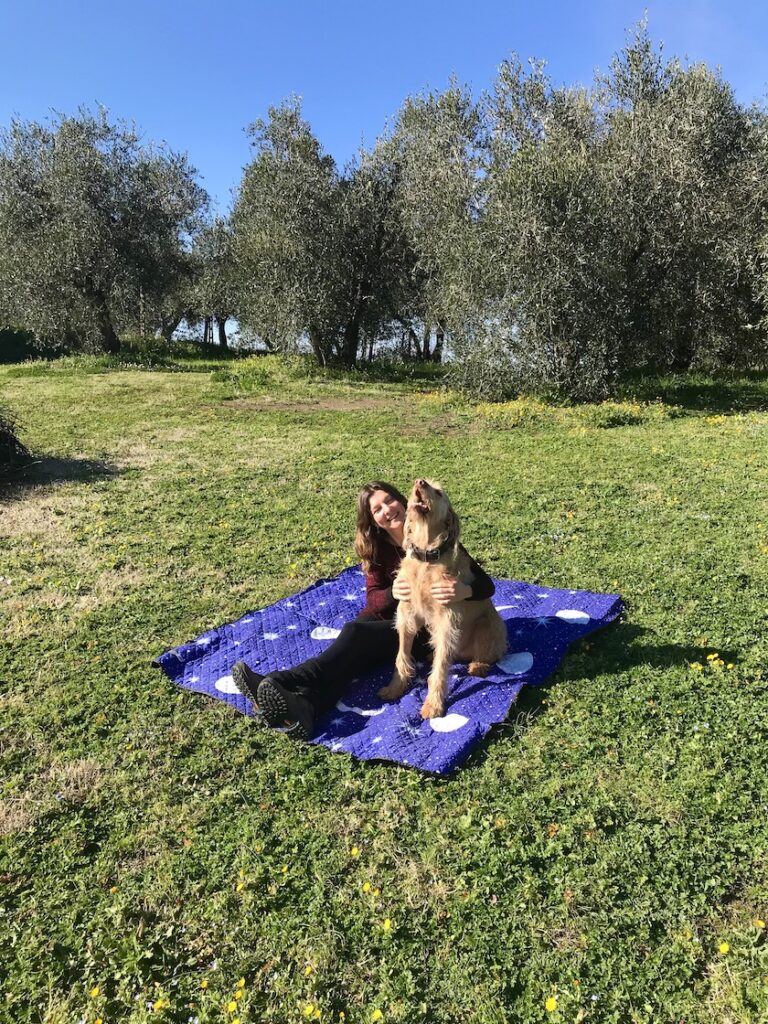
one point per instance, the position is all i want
(196, 73)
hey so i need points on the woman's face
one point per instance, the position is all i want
(387, 512)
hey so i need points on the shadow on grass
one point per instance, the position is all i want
(731, 393)
(616, 650)
(40, 472)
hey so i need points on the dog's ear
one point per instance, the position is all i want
(452, 527)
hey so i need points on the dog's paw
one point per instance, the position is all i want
(432, 709)
(479, 668)
(391, 692)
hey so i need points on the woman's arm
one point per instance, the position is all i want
(379, 602)
(482, 585)
(448, 590)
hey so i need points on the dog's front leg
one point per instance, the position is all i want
(437, 685)
(404, 666)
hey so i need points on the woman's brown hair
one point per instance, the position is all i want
(368, 536)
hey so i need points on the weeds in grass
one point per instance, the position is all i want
(601, 858)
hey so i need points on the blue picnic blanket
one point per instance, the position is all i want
(542, 623)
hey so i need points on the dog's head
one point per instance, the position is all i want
(430, 520)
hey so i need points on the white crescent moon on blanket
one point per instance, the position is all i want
(226, 684)
(516, 663)
(448, 723)
(366, 712)
(504, 607)
(271, 636)
(573, 615)
(324, 633)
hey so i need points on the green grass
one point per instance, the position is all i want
(599, 847)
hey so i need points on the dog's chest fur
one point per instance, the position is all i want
(421, 608)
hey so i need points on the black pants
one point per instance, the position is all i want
(361, 645)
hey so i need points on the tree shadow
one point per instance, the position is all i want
(44, 471)
(732, 393)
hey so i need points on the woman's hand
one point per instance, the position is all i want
(448, 590)
(401, 590)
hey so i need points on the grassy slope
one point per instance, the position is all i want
(597, 850)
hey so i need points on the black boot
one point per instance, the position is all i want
(281, 708)
(246, 680)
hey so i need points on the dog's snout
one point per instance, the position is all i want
(422, 483)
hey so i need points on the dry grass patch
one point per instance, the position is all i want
(71, 782)
(32, 516)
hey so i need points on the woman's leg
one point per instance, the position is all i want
(322, 680)
(301, 693)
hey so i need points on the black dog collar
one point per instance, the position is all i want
(430, 554)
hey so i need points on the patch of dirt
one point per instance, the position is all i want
(337, 404)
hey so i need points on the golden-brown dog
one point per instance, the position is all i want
(462, 631)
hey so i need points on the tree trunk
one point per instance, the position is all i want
(425, 346)
(222, 324)
(351, 342)
(109, 339)
(316, 341)
(207, 331)
(168, 326)
(437, 352)
(413, 340)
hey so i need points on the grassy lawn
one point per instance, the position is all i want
(602, 857)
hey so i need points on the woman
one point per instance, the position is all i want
(294, 698)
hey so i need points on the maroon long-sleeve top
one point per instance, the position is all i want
(379, 602)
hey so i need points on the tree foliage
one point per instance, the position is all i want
(317, 254)
(12, 450)
(94, 226)
(622, 228)
(552, 237)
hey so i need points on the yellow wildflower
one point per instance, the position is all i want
(98, 1021)
(204, 984)
(387, 926)
(241, 983)
(238, 993)
(711, 657)
(354, 852)
(308, 970)
(113, 889)
(316, 1015)
(309, 1010)
(377, 892)
(366, 886)
(284, 869)
(232, 1006)
(551, 1004)
(94, 992)
(377, 1014)
(240, 886)
(758, 922)
(697, 666)
(724, 947)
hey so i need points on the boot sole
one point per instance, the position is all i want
(279, 709)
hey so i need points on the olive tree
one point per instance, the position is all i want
(435, 145)
(213, 294)
(621, 227)
(94, 226)
(317, 254)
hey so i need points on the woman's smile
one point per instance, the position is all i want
(387, 512)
